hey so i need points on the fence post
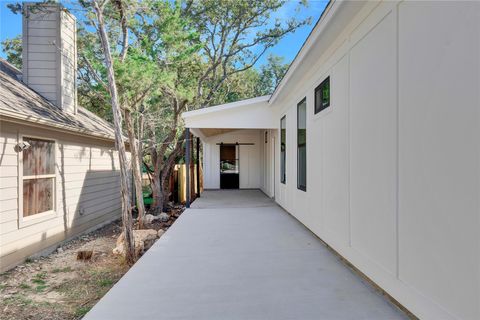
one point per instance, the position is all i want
(187, 167)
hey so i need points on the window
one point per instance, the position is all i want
(38, 176)
(322, 95)
(283, 149)
(302, 145)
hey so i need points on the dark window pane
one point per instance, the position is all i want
(322, 95)
(302, 145)
(283, 149)
(302, 167)
(37, 196)
(39, 158)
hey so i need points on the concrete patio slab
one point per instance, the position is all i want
(245, 198)
(241, 262)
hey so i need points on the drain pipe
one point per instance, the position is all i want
(198, 167)
(187, 167)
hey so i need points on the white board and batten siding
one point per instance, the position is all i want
(250, 158)
(87, 191)
(393, 165)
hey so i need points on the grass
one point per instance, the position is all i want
(58, 270)
(105, 282)
(40, 278)
(18, 299)
(41, 288)
(39, 281)
(23, 285)
(81, 311)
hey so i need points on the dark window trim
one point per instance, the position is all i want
(299, 186)
(283, 175)
(317, 104)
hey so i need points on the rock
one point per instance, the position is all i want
(164, 217)
(149, 218)
(59, 250)
(143, 239)
(160, 232)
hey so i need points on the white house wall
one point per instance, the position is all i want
(393, 165)
(268, 161)
(251, 173)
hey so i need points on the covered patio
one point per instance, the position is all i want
(235, 254)
(238, 145)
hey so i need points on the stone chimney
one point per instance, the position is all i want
(50, 53)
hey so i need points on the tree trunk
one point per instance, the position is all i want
(137, 174)
(122, 154)
(157, 193)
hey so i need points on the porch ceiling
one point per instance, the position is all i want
(210, 132)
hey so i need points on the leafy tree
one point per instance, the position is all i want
(168, 57)
(13, 49)
(270, 75)
(207, 49)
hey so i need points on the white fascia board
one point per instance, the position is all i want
(246, 114)
(226, 106)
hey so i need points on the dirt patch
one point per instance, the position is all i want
(59, 286)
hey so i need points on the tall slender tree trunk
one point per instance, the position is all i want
(157, 193)
(137, 174)
(122, 154)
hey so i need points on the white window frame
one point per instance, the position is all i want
(42, 216)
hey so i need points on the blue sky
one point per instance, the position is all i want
(11, 25)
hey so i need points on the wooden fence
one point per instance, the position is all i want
(179, 180)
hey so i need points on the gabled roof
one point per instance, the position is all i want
(20, 102)
(245, 114)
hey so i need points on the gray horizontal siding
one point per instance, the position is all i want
(87, 190)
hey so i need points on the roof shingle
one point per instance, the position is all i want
(18, 101)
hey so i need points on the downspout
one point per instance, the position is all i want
(198, 167)
(187, 167)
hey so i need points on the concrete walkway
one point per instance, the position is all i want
(237, 255)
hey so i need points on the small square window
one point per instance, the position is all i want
(322, 95)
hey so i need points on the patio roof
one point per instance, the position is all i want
(245, 114)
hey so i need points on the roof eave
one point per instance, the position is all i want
(226, 106)
(20, 118)
(316, 32)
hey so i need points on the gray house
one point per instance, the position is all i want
(58, 165)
